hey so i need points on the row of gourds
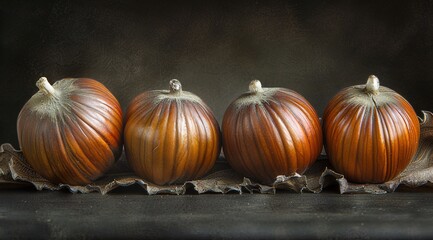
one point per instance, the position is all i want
(74, 130)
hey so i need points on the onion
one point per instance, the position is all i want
(269, 132)
(171, 136)
(371, 132)
(70, 132)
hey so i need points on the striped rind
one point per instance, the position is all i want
(370, 138)
(81, 142)
(170, 139)
(278, 133)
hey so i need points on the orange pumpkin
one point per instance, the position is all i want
(171, 136)
(71, 131)
(269, 132)
(371, 132)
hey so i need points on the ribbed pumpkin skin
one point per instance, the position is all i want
(370, 138)
(74, 139)
(273, 133)
(170, 139)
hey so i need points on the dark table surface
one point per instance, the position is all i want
(128, 213)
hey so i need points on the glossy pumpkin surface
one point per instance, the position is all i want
(371, 132)
(269, 132)
(72, 132)
(171, 136)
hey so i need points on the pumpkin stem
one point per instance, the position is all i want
(372, 85)
(45, 87)
(175, 86)
(255, 86)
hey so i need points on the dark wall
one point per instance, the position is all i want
(215, 48)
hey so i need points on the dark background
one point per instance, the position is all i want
(215, 48)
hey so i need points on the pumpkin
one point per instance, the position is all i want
(371, 132)
(171, 136)
(269, 132)
(71, 132)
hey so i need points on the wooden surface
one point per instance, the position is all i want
(129, 213)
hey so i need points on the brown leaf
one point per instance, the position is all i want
(14, 171)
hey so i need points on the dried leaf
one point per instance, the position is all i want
(222, 179)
